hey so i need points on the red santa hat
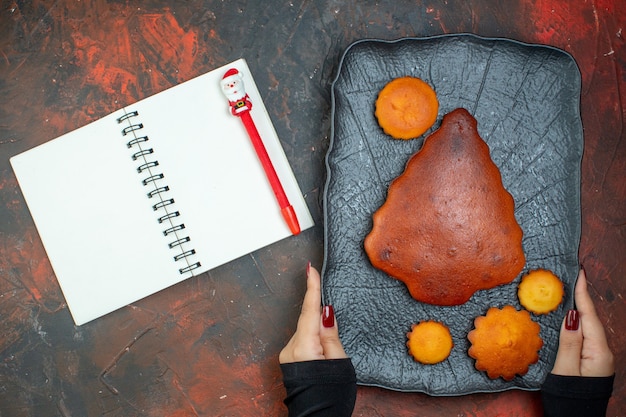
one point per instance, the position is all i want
(231, 74)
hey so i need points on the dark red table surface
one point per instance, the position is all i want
(208, 346)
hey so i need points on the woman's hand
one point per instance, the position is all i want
(583, 348)
(317, 335)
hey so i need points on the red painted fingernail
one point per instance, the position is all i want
(308, 268)
(572, 320)
(328, 316)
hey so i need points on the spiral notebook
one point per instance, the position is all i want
(155, 193)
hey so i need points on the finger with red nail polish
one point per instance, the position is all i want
(572, 320)
(328, 316)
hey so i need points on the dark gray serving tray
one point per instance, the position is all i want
(526, 101)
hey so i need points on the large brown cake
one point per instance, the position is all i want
(447, 228)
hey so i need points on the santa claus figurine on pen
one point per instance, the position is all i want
(235, 92)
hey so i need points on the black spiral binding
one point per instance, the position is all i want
(143, 154)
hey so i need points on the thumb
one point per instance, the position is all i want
(329, 335)
(567, 361)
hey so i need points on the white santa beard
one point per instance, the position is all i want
(234, 95)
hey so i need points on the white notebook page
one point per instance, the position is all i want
(97, 223)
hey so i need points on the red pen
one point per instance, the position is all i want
(234, 90)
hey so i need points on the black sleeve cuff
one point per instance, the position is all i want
(320, 388)
(574, 396)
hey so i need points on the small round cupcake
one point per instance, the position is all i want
(406, 107)
(429, 342)
(540, 291)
